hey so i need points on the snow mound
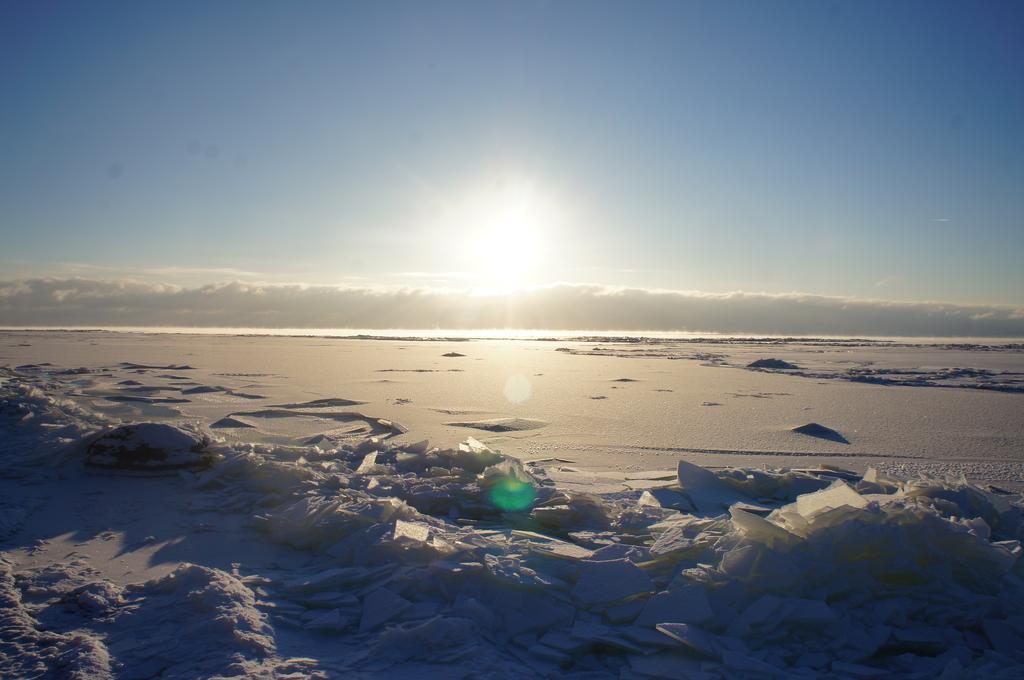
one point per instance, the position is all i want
(216, 620)
(194, 622)
(39, 431)
(501, 424)
(773, 364)
(821, 432)
(149, 446)
(229, 422)
(28, 650)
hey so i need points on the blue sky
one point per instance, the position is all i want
(867, 149)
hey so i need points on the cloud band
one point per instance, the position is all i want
(97, 303)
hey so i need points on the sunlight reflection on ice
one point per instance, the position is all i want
(518, 389)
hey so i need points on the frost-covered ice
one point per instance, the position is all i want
(368, 557)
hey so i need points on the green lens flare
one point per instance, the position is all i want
(511, 495)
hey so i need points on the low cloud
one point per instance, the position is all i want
(93, 303)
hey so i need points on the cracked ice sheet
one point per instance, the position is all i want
(570, 477)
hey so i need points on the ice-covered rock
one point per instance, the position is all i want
(149, 446)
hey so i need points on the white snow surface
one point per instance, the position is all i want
(359, 556)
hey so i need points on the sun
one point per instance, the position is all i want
(506, 233)
(508, 243)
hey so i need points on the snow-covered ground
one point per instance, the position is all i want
(253, 507)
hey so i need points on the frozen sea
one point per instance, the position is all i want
(260, 505)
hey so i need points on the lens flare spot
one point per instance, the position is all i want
(518, 389)
(512, 495)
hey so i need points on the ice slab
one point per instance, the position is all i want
(609, 582)
(688, 604)
(379, 607)
(836, 496)
(706, 491)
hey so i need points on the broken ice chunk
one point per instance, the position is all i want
(611, 581)
(512, 569)
(333, 620)
(412, 531)
(668, 666)
(419, 447)
(622, 551)
(806, 612)
(693, 637)
(369, 464)
(552, 547)
(580, 510)
(509, 487)
(438, 640)
(688, 604)
(550, 654)
(854, 670)
(666, 498)
(328, 579)
(759, 529)
(675, 543)
(759, 612)
(777, 485)
(1002, 636)
(747, 664)
(381, 606)
(705, 490)
(835, 496)
(473, 456)
(874, 481)
(508, 468)
(624, 612)
(920, 638)
(648, 637)
(587, 630)
(564, 642)
(773, 612)
(472, 445)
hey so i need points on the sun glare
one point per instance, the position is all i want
(506, 230)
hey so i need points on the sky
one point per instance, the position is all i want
(853, 151)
